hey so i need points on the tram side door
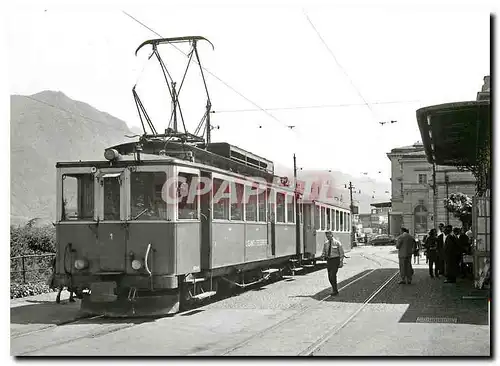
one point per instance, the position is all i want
(271, 223)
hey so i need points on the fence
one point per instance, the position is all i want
(31, 268)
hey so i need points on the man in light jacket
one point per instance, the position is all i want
(405, 245)
(334, 255)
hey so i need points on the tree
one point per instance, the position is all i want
(460, 205)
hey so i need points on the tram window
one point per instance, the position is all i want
(220, 199)
(323, 217)
(328, 219)
(316, 217)
(337, 219)
(146, 202)
(262, 206)
(251, 204)
(349, 225)
(188, 202)
(237, 201)
(280, 207)
(290, 203)
(271, 198)
(78, 197)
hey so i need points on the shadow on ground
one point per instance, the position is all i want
(426, 297)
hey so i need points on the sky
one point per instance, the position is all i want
(310, 57)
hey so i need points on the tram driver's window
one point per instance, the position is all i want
(146, 202)
(187, 201)
(280, 207)
(78, 197)
(220, 192)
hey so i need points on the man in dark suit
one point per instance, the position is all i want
(450, 255)
(440, 250)
(405, 244)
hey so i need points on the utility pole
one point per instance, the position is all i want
(297, 215)
(350, 188)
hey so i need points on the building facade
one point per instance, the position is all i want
(414, 204)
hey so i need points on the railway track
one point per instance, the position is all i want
(108, 326)
(315, 345)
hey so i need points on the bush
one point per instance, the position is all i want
(18, 290)
(27, 239)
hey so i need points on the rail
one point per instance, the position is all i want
(30, 267)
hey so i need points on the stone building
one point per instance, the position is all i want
(414, 205)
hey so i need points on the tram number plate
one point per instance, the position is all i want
(103, 292)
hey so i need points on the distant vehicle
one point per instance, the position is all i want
(383, 240)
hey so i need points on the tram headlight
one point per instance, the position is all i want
(81, 264)
(112, 154)
(136, 264)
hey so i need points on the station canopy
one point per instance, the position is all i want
(452, 133)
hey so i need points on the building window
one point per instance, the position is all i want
(328, 219)
(422, 178)
(420, 214)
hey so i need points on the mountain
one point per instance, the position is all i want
(48, 127)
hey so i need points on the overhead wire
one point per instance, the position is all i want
(337, 62)
(315, 106)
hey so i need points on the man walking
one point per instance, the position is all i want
(405, 245)
(334, 255)
(431, 246)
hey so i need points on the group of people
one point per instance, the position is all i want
(444, 251)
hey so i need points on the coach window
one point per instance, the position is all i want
(187, 197)
(316, 217)
(301, 212)
(262, 202)
(220, 199)
(337, 219)
(78, 197)
(237, 201)
(280, 207)
(251, 204)
(145, 196)
(290, 203)
(328, 218)
(323, 215)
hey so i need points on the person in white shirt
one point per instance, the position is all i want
(333, 252)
